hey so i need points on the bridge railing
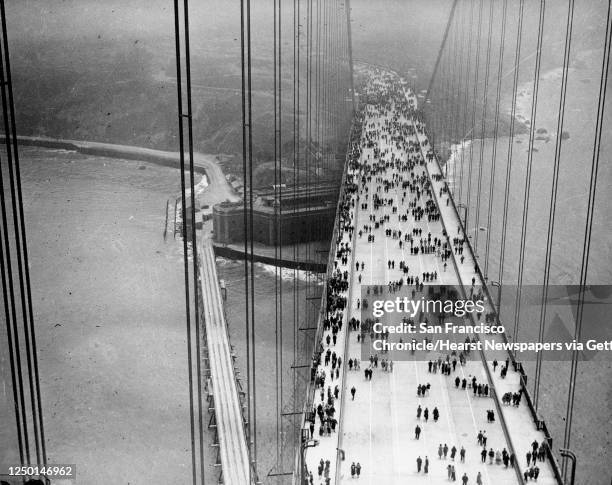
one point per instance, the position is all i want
(493, 390)
(355, 132)
(540, 424)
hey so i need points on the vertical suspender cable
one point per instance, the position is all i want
(194, 245)
(476, 75)
(465, 108)
(483, 137)
(20, 278)
(586, 247)
(458, 134)
(296, 184)
(500, 66)
(451, 85)
(279, 184)
(29, 321)
(251, 234)
(553, 196)
(16, 382)
(534, 106)
(517, 61)
(179, 84)
(349, 40)
(246, 128)
(276, 243)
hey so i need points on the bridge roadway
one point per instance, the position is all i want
(518, 420)
(228, 416)
(377, 427)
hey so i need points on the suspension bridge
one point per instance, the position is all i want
(406, 163)
(346, 426)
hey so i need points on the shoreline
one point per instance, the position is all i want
(203, 164)
(158, 157)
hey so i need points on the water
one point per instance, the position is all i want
(108, 296)
(109, 314)
(591, 424)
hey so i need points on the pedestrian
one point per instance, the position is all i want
(462, 454)
(440, 451)
(417, 432)
(353, 391)
(419, 462)
(479, 479)
(464, 479)
(353, 470)
(445, 450)
(426, 467)
(358, 469)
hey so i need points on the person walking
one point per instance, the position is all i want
(419, 463)
(358, 469)
(479, 479)
(464, 479)
(353, 391)
(426, 466)
(417, 432)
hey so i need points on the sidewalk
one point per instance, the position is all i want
(378, 426)
(518, 419)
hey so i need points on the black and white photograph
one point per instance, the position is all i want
(305, 242)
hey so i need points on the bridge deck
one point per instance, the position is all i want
(229, 419)
(377, 427)
(518, 419)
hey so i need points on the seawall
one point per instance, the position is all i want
(158, 157)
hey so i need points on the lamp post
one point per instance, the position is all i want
(465, 214)
(306, 443)
(499, 290)
(568, 454)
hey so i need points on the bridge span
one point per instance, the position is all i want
(397, 221)
(229, 421)
(397, 226)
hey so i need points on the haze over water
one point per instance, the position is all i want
(108, 291)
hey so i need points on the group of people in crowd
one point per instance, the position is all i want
(389, 183)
